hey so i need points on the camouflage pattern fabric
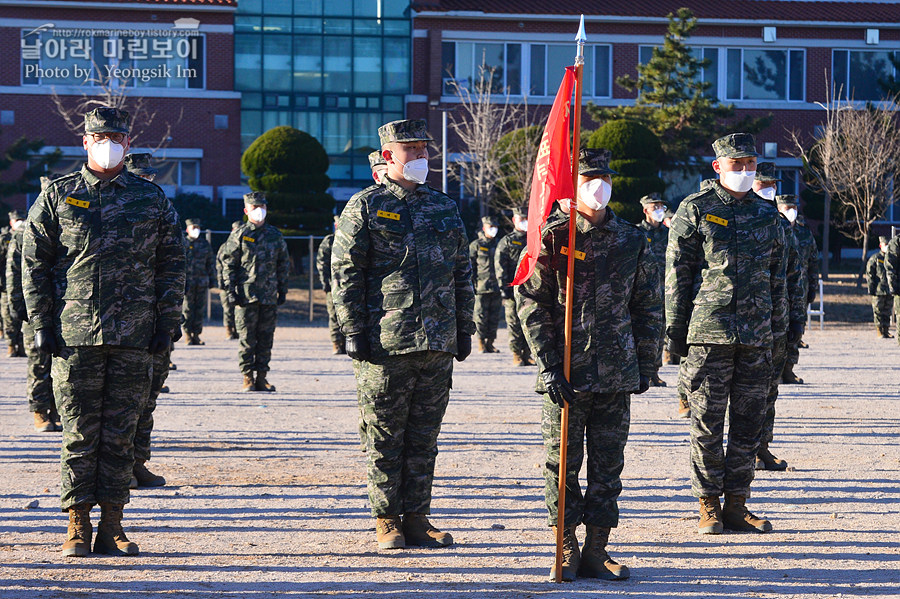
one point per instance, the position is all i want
(488, 301)
(404, 131)
(594, 162)
(809, 258)
(323, 265)
(403, 398)
(401, 272)
(882, 306)
(735, 145)
(658, 240)
(12, 325)
(876, 277)
(618, 309)
(256, 328)
(5, 239)
(793, 307)
(103, 261)
(227, 306)
(201, 276)
(160, 365)
(100, 392)
(487, 314)
(603, 420)
(506, 261)
(106, 119)
(735, 377)
(255, 261)
(779, 357)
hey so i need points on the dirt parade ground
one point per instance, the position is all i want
(266, 493)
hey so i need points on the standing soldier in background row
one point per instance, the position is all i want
(809, 260)
(323, 264)
(201, 277)
(39, 387)
(256, 270)
(402, 289)
(876, 280)
(12, 324)
(227, 306)
(657, 234)
(506, 261)
(5, 237)
(487, 292)
(103, 279)
(722, 283)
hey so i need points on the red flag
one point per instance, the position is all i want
(552, 179)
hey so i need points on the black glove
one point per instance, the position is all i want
(463, 346)
(236, 297)
(22, 315)
(282, 297)
(795, 332)
(559, 389)
(45, 341)
(159, 342)
(643, 385)
(176, 336)
(357, 346)
(507, 293)
(677, 341)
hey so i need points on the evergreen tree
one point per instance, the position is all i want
(672, 100)
(25, 150)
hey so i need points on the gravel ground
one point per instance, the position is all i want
(266, 494)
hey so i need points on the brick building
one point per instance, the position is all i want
(174, 56)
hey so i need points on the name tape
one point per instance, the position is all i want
(250, 239)
(390, 215)
(578, 255)
(717, 219)
(77, 202)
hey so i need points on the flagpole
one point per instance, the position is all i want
(581, 38)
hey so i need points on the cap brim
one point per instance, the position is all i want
(739, 155)
(145, 171)
(408, 140)
(106, 130)
(598, 172)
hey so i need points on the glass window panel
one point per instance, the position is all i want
(343, 101)
(788, 184)
(276, 118)
(395, 8)
(361, 170)
(558, 58)
(168, 172)
(190, 172)
(277, 62)
(839, 60)
(765, 75)
(338, 26)
(396, 27)
(247, 24)
(711, 71)
(336, 133)
(306, 25)
(249, 6)
(393, 103)
(601, 71)
(309, 122)
(464, 66)
(866, 68)
(367, 65)
(277, 25)
(448, 59)
(514, 68)
(247, 61)
(306, 7)
(489, 56)
(313, 101)
(338, 64)
(797, 75)
(538, 74)
(365, 130)
(396, 67)
(365, 8)
(251, 100)
(366, 27)
(308, 63)
(338, 168)
(276, 7)
(645, 53)
(734, 74)
(374, 103)
(340, 8)
(251, 126)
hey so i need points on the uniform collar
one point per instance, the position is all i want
(585, 226)
(94, 181)
(400, 192)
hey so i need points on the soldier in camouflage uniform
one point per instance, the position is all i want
(227, 306)
(654, 208)
(12, 324)
(487, 292)
(103, 279)
(892, 274)
(615, 338)
(722, 282)
(323, 265)
(809, 260)
(876, 281)
(201, 277)
(402, 289)
(256, 271)
(39, 387)
(506, 262)
(5, 237)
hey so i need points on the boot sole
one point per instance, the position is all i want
(76, 552)
(567, 576)
(116, 552)
(760, 465)
(605, 574)
(392, 545)
(716, 529)
(767, 527)
(428, 544)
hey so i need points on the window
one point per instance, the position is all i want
(549, 60)
(464, 62)
(708, 73)
(765, 75)
(790, 181)
(858, 73)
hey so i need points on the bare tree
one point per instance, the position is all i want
(853, 158)
(517, 151)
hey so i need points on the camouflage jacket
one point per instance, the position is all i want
(876, 279)
(506, 257)
(617, 316)
(5, 239)
(657, 240)
(809, 259)
(323, 262)
(201, 268)
(400, 270)
(255, 260)
(481, 253)
(220, 267)
(103, 261)
(723, 268)
(792, 308)
(14, 273)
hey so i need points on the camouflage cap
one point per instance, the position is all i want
(787, 199)
(489, 220)
(593, 162)
(255, 198)
(521, 211)
(139, 164)
(376, 159)
(106, 119)
(883, 240)
(404, 131)
(193, 222)
(652, 198)
(735, 145)
(17, 215)
(765, 171)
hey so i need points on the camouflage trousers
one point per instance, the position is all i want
(145, 422)
(735, 377)
(779, 357)
(662, 345)
(601, 420)
(517, 342)
(487, 314)
(404, 399)
(193, 310)
(882, 306)
(12, 326)
(333, 327)
(100, 392)
(897, 313)
(227, 310)
(39, 386)
(256, 328)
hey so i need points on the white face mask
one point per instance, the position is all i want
(491, 232)
(595, 194)
(415, 170)
(738, 181)
(521, 224)
(791, 214)
(17, 224)
(564, 205)
(193, 232)
(658, 215)
(257, 215)
(767, 194)
(107, 154)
